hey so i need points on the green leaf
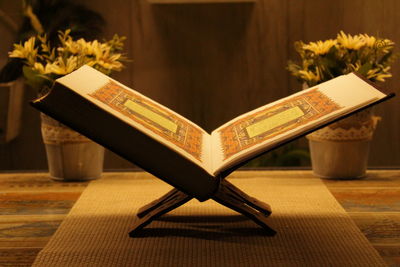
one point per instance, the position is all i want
(34, 79)
(363, 70)
(385, 58)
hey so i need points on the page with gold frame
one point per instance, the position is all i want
(139, 111)
(270, 125)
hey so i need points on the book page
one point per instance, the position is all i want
(272, 124)
(139, 111)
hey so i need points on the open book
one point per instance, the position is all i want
(180, 152)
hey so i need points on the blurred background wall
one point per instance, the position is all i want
(211, 62)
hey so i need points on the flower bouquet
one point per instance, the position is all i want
(44, 63)
(70, 155)
(340, 150)
(323, 60)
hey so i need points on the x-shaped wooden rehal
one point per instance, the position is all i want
(227, 195)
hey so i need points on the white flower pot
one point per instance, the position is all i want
(340, 150)
(339, 160)
(70, 156)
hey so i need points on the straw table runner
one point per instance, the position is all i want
(313, 229)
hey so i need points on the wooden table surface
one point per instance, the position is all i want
(32, 206)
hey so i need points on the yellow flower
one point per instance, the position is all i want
(381, 77)
(62, 67)
(92, 53)
(51, 62)
(371, 73)
(41, 69)
(356, 66)
(27, 51)
(97, 49)
(70, 46)
(368, 40)
(310, 76)
(369, 55)
(320, 47)
(109, 62)
(388, 42)
(379, 74)
(350, 42)
(385, 45)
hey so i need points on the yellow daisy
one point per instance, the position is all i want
(356, 66)
(368, 40)
(42, 69)
(62, 67)
(385, 45)
(381, 77)
(310, 76)
(320, 47)
(350, 42)
(27, 50)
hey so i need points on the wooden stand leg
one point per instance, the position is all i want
(246, 199)
(227, 195)
(158, 207)
(235, 199)
(165, 199)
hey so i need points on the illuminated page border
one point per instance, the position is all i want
(151, 116)
(265, 124)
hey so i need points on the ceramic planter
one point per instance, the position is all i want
(340, 150)
(70, 155)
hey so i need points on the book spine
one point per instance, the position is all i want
(85, 117)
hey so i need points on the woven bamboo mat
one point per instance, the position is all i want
(313, 229)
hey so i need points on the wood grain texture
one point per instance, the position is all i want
(11, 110)
(380, 228)
(24, 257)
(12, 11)
(167, 2)
(370, 199)
(28, 142)
(379, 18)
(213, 61)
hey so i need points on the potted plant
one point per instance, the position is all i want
(70, 155)
(49, 17)
(38, 17)
(341, 149)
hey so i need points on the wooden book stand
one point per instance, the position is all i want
(227, 195)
